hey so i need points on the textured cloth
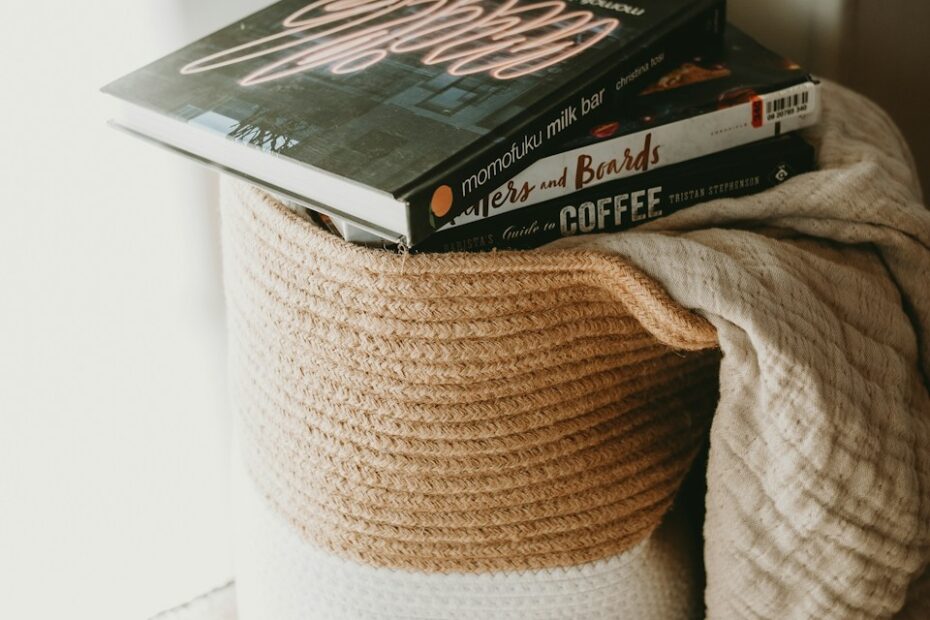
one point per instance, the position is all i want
(818, 481)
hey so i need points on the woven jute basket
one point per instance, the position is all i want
(458, 413)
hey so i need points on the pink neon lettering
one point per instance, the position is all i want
(506, 42)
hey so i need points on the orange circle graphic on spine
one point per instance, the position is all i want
(442, 200)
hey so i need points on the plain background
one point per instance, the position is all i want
(114, 424)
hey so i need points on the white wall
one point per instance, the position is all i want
(113, 417)
(809, 31)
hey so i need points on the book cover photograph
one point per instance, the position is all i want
(411, 107)
(734, 95)
(736, 73)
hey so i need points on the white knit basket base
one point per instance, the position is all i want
(281, 575)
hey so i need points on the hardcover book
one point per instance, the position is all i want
(738, 94)
(396, 115)
(629, 202)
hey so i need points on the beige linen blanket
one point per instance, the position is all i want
(818, 482)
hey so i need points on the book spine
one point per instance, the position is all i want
(437, 201)
(628, 202)
(760, 117)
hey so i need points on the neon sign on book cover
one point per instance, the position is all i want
(508, 41)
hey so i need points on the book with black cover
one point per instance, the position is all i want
(396, 114)
(734, 95)
(628, 202)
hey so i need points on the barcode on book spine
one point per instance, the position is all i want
(787, 105)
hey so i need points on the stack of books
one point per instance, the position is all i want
(468, 125)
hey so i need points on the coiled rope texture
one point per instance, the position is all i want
(458, 412)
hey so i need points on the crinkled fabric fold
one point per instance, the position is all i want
(818, 481)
